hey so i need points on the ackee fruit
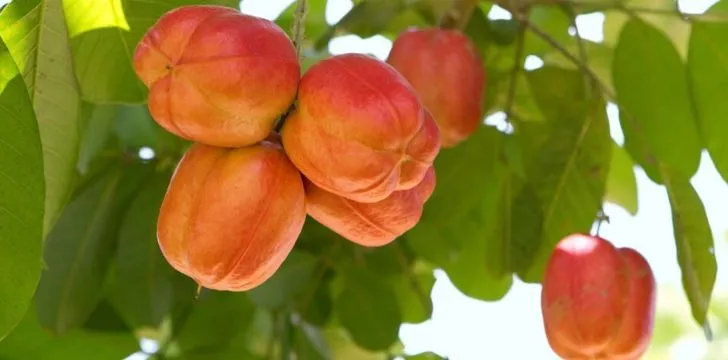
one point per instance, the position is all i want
(359, 130)
(447, 73)
(230, 217)
(370, 224)
(597, 301)
(217, 76)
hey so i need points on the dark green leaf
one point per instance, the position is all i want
(141, 288)
(98, 121)
(708, 68)
(105, 318)
(36, 34)
(566, 158)
(694, 243)
(21, 196)
(622, 183)
(136, 129)
(287, 283)
(104, 35)
(30, 341)
(310, 343)
(367, 308)
(81, 246)
(315, 305)
(216, 319)
(654, 99)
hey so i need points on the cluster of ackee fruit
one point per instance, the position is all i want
(355, 150)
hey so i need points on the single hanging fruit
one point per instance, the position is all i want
(231, 216)
(447, 73)
(217, 76)
(597, 301)
(370, 224)
(359, 130)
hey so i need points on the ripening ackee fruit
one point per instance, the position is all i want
(359, 130)
(597, 301)
(447, 73)
(217, 76)
(370, 224)
(230, 217)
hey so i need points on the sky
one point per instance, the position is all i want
(463, 328)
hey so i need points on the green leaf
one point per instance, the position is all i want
(98, 123)
(424, 356)
(599, 59)
(567, 158)
(36, 34)
(708, 69)
(142, 289)
(678, 32)
(622, 183)
(310, 343)
(654, 99)
(461, 223)
(30, 341)
(367, 308)
(526, 226)
(136, 129)
(21, 196)
(216, 319)
(694, 243)
(342, 346)
(81, 247)
(413, 292)
(287, 283)
(315, 305)
(104, 35)
(105, 318)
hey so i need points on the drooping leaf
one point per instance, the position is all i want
(413, 290)
(367, 308)
(97, 123)
(316, 305)
(694, 243)
(31, 341)
(81, 247)
(21, 196)
(141, 288)
(622, 183)
(104, 35)
(105, 318)
(343, 346)
(287, 283)
(36, 34)
(566, 159)
(708, 69)
(215, 321)
(654, 99)
(461, 223)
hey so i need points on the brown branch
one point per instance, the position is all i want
(632, 10)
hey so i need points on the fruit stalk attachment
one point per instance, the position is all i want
(459, 14)
(299, 24)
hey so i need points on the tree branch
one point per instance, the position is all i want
(299, 24)
(617, 5)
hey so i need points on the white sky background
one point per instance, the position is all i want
(464, 328)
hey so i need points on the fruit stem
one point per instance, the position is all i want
(459, 14)
(299, 24)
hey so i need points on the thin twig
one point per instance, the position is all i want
(571, 13)
(560, 48)
(615, 5)
(299, 24)
(402, 259)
